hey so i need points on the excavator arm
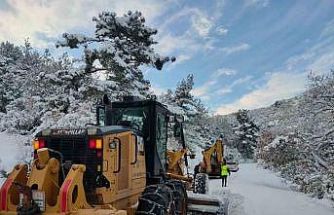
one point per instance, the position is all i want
(218, 150)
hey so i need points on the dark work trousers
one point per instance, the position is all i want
(224, 180)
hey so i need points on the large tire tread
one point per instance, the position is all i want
(156, 200)
(179, 196)
(201, 183)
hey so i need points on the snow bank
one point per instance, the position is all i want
(14, 149)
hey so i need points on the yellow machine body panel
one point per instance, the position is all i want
(123, 165)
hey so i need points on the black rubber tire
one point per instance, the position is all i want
(156, 200)
(179, 196)
(201, 183)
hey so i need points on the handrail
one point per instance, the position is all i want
(119, 155)
(136, 150)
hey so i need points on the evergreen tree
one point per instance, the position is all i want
(182, 101)
(183, 96)
(247, 133)
(119, 47)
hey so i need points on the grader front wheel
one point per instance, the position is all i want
(156, 200)
(179, 196)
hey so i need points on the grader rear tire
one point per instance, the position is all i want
(179, 196)
(156, 200)
(201, 183)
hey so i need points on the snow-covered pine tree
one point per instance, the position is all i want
(320, 102)
(120, 46)
(9, 89)
(247, 133)
(183, 97)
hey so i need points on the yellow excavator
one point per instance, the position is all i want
(119, 166)
(212, 159)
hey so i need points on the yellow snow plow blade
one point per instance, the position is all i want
(203, 204)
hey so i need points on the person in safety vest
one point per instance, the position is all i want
(225, 171)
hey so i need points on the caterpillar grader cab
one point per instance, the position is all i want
(118, 166)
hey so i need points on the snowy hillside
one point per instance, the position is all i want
(296, 137)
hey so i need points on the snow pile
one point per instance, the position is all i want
(14, 149)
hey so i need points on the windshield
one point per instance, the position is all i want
(133, 117)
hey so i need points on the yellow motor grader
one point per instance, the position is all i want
(118, 166)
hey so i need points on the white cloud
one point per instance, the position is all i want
(225, 90)
(173, 18)
(169, 44)
(224, 71)
(279, 86)
(221, 30)
(202, 25)
(203, 90)
(49, 19)
(229, 88)
(258, 3)
(200, 22)
(237, 48)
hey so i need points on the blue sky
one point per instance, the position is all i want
(243, 53)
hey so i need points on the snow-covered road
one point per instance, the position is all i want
(256, 191)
